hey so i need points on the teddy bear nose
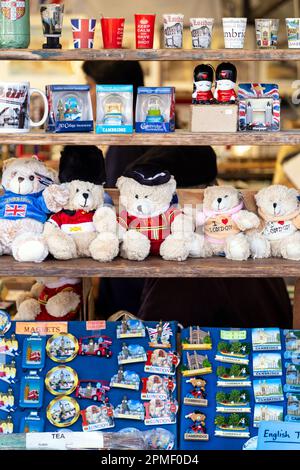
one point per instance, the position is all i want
(85, 195)
(219, 200)
(274, 205)
(20, 179)
(139, 208)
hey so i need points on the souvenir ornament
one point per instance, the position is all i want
(129, 409)
(233, 425)
(63, 411)
(62, 347)
(160, 335)
(233, 352)
(6, 425)
(235, 376)
(161, 362)
(114, 109)
(267, 412)
(266, 32)
(131, 329)
(155, 110)
(125, 379)
(8, 371)
(5, 322)
(33, 422)
(226, 76)
(235, 401)
(98, 345)
(197, 339)
(266, 339)
(159, 439)
(197, 431)
(160, 411)
(52, 21)
(173, 30)
(131, 353)
(61, 380)
(83, 31)
(267, 364)
(96, 417)
(9, 346)
(33, 356)
(31, 390)
(158, 387)
(14, 24)
(292, 378)
(197, 364)
(267, 390)
(293, 407)
(293, 32)
(7, 401)
(201, 31)
(92, 390)
(203, 80)
(197, 396)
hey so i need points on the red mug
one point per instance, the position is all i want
(112, 32)
(144, 31)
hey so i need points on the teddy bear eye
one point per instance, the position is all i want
(31, 177)
(77, 190)
(136, 196)
(226, 195)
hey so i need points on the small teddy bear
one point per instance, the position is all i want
(224, 221)
(85, 227)
(29, 197)
(148, 222)
(51, 299)
(278, 235)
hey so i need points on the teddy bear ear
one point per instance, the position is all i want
(240, 196)
(52, 174)
(120, 182)
(35, 157)
(293, 192)
(8, 162)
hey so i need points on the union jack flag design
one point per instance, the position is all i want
(83, 33)
(259, 90)
(15, 210)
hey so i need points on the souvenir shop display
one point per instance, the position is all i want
(155, 109)
(144, 31)
(266, 33)
(259, 107)
(201, 32)
(83, 31)
(114, 109)
(234, 30)
(173, 30)
(70, 108)
(52, 15)
(15, 24)
(293, 32)
(112, 32)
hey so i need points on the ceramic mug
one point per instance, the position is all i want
(15, 107)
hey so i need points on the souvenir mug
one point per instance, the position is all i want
(15, 107)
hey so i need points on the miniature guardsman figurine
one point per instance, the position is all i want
(225, 83)
(203, 80)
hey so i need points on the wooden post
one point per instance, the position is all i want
(296, 310)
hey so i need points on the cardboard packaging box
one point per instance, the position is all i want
(214, 118)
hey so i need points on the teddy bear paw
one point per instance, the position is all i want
(105, 247)
(29, 248)
(237, 248)
(28, 310)
(62, 247)
(174, 248)
(259, 247)
(247, 221)
(196, 248)
(291, 250)
(135, 246)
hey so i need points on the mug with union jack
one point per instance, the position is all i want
(83, 33)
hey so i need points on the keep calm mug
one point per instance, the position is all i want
(15, 107)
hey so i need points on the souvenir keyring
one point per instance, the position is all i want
(63, 411)
(62, 347)
(5, 322)
(61, 380)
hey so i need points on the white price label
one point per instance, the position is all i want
(64, 440)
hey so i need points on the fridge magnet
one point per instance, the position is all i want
(267, 364)
(197, 339)
(160, 335)
(292, 345)
(131, 353)
(266, 339)
(197, 364)
(6, 425)
(161, 362)
(129, 409)
(125, 379)
(235, 376)
(233, 352)
(233, 425)
(33, 356)
(32, 422)
(159, 439)
(8, 371)
(292, 378)
(97, 417)
(5, 322)
(159, 412)
(197, 431)
(235, 401)
(61, 380)
(63, 411)
(31, 390)
(196, 396)
(293, 407)
(156, 386)
(267, 412)
(259, 107)
(62, 347)
(131, 329)
(97, 345)
(7, 401)
(268, 390)
(92, 390)
(9, 346)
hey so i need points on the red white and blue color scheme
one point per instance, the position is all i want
(259, 107)
(83, 33)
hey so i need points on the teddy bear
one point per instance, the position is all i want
(51, 299)
(278, 234)
(28, 198)
(148, 222)
(225, 222)
(85, 227)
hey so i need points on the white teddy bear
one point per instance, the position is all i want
(279, 235)
(25, 205)
(225, 222)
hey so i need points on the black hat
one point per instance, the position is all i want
(148, 175)
(203, 72)
(226, 71)
(84, 163)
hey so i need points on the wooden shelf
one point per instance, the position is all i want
(174, 138)
(152, 267)
(150, 54)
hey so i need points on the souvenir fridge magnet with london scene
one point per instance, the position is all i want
(31, 390)
(237, 375)
(125, 379)
(9, 346)
(160, 335)
(34, 352)
(267, 364)
(63, 411)
(197, 430)
(232, 425)
(129, 409)
(159, 439)
(266, 339)
(197, 339)
(159, 411)
(7, 401)
(5, 322)
(97, 345)
(61, 380)
(8, 371)
(161, 362)
(156, 386)
(130, 329)
(197, 364)
(62, 347)
(92, 390)
(32, 423)
(6, 425)
(233, 401)
(197, 395)
(267, 390)
(131, 353)
(96, 417)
